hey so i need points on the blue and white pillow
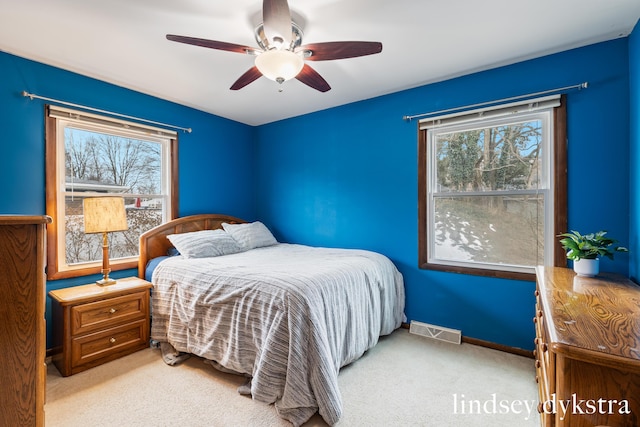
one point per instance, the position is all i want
(205, 243)
(250, 235)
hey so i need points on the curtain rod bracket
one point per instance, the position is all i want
(31, 96)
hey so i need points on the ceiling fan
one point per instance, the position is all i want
(281, 56)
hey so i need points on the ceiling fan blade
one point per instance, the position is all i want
(340, 50)
(212, 44)
(250, 76)
(276, 18)
(311, 78)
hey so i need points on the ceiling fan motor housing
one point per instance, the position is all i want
(263, 41)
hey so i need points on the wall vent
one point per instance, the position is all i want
(436, 332)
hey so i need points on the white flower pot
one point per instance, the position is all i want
(587, 267)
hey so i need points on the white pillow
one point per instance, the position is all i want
(250, 235)
(205, 243)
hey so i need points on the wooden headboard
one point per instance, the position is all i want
(154, 243)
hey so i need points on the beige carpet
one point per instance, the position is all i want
(406, 380)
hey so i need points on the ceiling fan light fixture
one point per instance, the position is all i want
(281, 55)
(279, 65)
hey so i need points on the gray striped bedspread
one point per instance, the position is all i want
(289, 316)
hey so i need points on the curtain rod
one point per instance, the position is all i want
(31, 96)
(580, 86)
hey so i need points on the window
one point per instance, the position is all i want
(492, 189)
(95, 156)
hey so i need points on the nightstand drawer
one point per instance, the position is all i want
(109, 344)
(111, 312)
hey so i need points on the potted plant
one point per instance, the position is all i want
(585, 250)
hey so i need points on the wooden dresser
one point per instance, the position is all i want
(587, 349)
(95, 324)
(22, 325)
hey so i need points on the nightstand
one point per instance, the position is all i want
(95, 324)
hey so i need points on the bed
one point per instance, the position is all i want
(286, 316)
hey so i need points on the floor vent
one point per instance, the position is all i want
(436, 332)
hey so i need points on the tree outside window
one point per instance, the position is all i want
(98, 162)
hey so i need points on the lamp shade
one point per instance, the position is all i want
(279, 65)
(104, 214)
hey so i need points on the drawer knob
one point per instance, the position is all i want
(112, 310)
(112, 340)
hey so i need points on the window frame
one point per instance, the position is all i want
(56, 268)
(559, 196)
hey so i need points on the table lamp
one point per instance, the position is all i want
(104, 215)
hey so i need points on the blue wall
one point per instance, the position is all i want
(215, 160)
(634, 196)
(348, 177)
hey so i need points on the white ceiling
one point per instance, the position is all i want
(424, 41)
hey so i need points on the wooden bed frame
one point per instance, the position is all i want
(154, 243)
